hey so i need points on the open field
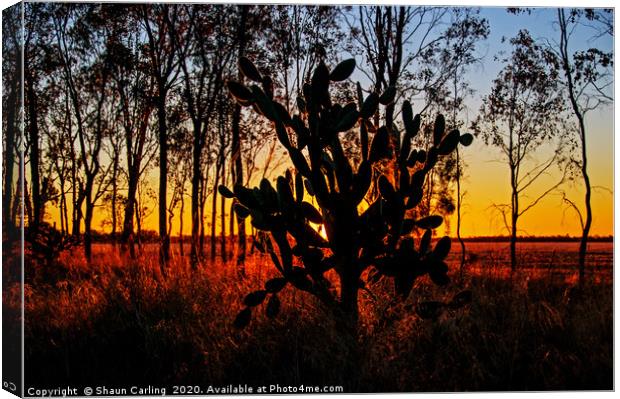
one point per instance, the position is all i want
(120, 323)
(555, 260)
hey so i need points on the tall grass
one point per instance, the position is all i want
(120, 322)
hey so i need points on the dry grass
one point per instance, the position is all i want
(118, 322)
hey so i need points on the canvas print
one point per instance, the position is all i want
(306, 199)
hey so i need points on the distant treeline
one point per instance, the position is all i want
(151, 236)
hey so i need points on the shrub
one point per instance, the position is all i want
(379, 237)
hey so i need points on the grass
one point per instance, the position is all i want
(116, 322)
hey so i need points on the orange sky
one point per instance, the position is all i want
(487, 177)
(486, 183)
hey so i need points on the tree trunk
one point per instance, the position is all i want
(196, 175)
(350, 289)
(9, 156)
(223, 223)
(114, 196)
(138, 238)
(514, 216)
(231, 223)
(87, 222)
(78, 215)
(566, 65)
(513, 245)
(583, 245)
(164, 251)
(33, 131)
(181, 225)
(236, 143)
(75, 201)
(20, 190)
(214, 211)
(62, 208)
(130, 209)
(458, 214)
(203, 201)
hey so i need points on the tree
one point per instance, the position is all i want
(60, 140)
(237, 165)
(12, 81)
(299, 37)
(163, 66)
(135, 88)
(409, 49)
(588, 81)
(203, 63)
(460, 90)
(80, 36)
(521, 115)
(36, 64)
(416, 51)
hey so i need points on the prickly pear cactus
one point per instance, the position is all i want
(380, 237)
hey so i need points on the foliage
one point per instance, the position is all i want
(588, 79)
(520, 333)
(379, 236)
(521, 115)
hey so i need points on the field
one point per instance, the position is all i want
(118, 323)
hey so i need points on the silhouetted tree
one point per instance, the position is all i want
(523, 113)
(415, 51)
(163, 66)
(204, 49)
(237, 164)
(12, 83)
(36, 63)
(80, 34)
(588, 80)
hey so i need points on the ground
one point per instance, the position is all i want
(118, 322)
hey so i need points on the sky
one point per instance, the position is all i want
(487, 178)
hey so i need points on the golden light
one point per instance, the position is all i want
(319, 228)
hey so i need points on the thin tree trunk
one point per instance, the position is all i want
(214, 210)
(75, 201)
(114, 196)
(203, 202)
(9, 153)
(33, 131)
(236, 144)
(583, 245)
(62, 208)
(181, 225)
(130, 210)
(455, 109)
(231, 223)
(65, 213)
(87, 223)
(196, 181)
(19, 201)
(223, 222)
(458, 213)
(77, 207)
(514, 214)
(164, 252)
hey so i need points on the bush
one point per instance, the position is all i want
(378, 238)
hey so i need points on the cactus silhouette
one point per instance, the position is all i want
(380, 237)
